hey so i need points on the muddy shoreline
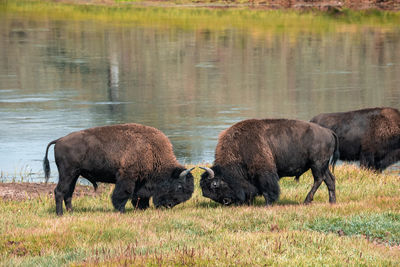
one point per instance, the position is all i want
(26, 190)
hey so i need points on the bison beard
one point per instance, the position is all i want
(252, 155)
(138, 159)
(371, 136)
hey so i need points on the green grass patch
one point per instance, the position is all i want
(383, 227)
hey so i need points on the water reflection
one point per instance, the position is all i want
(60, 76)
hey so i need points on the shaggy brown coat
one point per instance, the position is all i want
(135, 157)
(252, 155)
(371, 135)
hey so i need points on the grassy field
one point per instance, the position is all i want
(363, 228)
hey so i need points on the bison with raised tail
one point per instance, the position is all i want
(252, 155)
(138, 159)
(371, 136)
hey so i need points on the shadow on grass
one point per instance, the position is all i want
(105, 210)
(287, 202)
(258, 202)
(80, 209)
(209, 204)
(204, 204)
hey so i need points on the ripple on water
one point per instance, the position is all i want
(27, 100)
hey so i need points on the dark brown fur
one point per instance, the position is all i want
(252, 155)
(137, 158)
(371, 135)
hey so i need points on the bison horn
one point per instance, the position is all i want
(209, 171)
(185, 172)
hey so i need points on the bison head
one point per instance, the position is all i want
(175, 189)
(225, 187)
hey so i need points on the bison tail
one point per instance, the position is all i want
(336, 153)
(46, 164)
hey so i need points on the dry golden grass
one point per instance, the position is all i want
(363, 228)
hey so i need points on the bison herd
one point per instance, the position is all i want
(250, 158)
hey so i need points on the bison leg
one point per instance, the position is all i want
(389, 159)
(318, 179)
(367, 160)
(140, 203)
(68, 195)
(59, 193)
(330, 183)
(123, 190)
(63, 189)
(269, 186)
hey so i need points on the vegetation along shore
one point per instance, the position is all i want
(325, 5)
(363, 228)
(218, 13)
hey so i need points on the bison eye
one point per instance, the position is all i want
(214, 185)
(179, 187)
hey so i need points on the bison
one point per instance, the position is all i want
(138, 159)
(371, 135)
(252, 155)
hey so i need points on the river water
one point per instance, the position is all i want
(59, 76)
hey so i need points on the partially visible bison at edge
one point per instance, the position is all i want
(371, 135)
(138, 159)
(252, 155)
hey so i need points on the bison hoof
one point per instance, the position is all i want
(121, 210)
(332, 198)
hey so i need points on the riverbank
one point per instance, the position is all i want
(363, 228)
(324, 5)
(332, 7)
(198, 17)
(24, 191)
